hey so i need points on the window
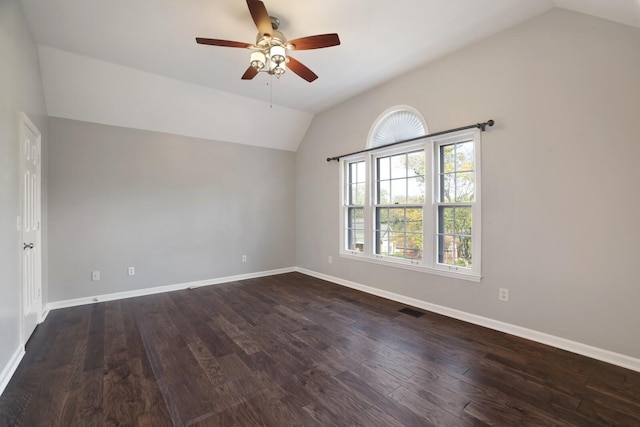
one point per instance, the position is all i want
(415, 205)
(398, 205)
(354, 206)
(396, 124)
(456, 193)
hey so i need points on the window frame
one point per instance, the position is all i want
(429, 262)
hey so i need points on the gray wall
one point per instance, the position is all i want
(178, 209)
(560, 177)
(20, 90)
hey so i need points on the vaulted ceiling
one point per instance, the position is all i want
(135, 63)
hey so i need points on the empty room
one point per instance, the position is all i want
(279, 213)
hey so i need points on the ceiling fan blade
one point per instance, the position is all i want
(260, 17)
(225, 43)
(316, 42)
(300, 69)
(250, 73)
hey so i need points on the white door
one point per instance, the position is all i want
(30, 142)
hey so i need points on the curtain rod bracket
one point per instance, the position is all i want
(481, 126)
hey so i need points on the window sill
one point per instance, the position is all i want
(405, 265)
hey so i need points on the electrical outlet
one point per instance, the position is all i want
(132, 271)
(95, 275)
(244, 258)
(503, 294)
(330, 260)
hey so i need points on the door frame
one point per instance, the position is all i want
(25, 123)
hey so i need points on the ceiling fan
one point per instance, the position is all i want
(270, 52)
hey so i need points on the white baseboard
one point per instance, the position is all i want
(10, 368)
(160, 289)
(530, 334)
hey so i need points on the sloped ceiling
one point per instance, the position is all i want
(135, 63)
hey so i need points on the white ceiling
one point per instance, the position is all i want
(380, 39)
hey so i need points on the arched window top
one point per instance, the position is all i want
(396, 124)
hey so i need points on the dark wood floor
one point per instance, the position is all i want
(294, 350)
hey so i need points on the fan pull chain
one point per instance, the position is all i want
(271, 91)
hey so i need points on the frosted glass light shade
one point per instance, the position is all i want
(257, 60)
(279, 69)
(278, 54)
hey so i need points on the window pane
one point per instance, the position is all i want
(415, 190)
(383, 243)
(382, 218)
(447, 158)
(358, 218)
(384, 192)
(399, 166)
(399, 232)
(360, 194)
(399, 191)
(382, 231)
(464, 156)
(463, 256)
(361, 174)
(415, 163)
(355, 218)
(396, 219)
(384, 168)
(396, 244)
(359, 243)
(413, 220)
(455, 249)
(462, 220)
(355, 229)
(465, 187)
(445, 220)
(353, 194)
(447, 187)
(353, 172)
(414, 246)
(446, 249)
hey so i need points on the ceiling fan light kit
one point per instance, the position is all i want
(270, 53)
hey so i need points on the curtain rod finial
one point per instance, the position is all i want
(483, 126)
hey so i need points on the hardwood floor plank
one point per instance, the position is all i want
(431, 414)
(208, 363)
(380, 396)
(182, 381)
(48, 400)
(118, 390)
(499, 414)
(28, 377)
(292, 350)
(606, 415)
(87, 408)
(335, 397)
(242, 340)
(95, 345)
(520, 386)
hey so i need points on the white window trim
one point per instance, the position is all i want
(429, 262)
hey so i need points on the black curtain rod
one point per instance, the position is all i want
(481, 126)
